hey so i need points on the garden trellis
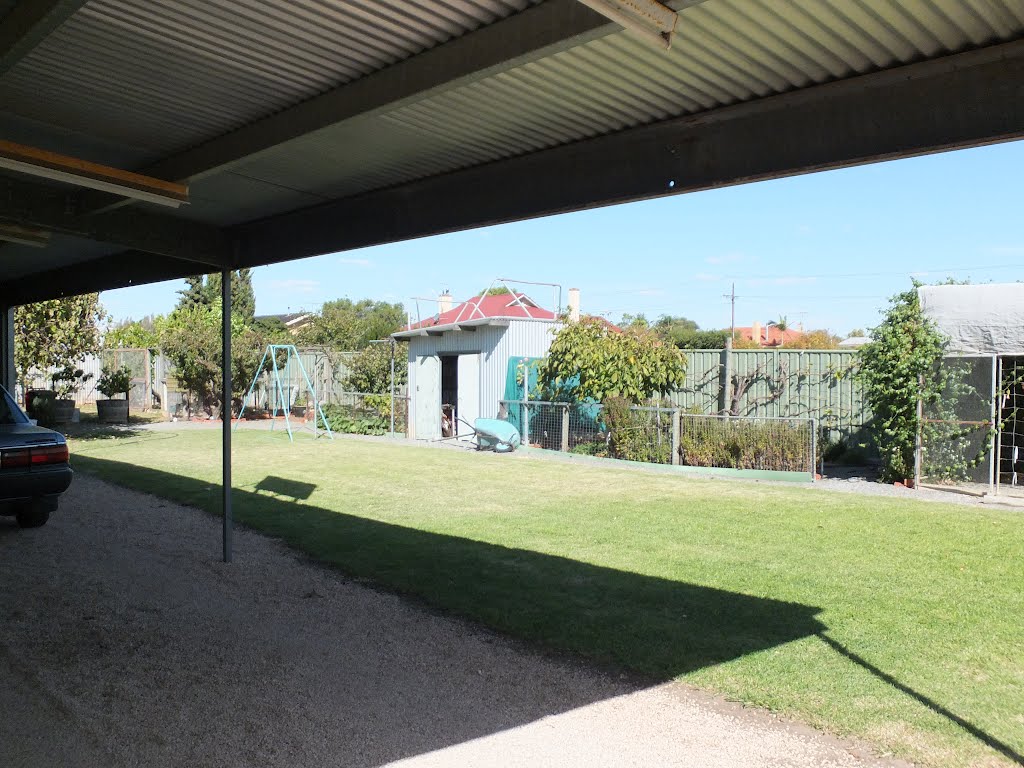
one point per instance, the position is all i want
(283, 391)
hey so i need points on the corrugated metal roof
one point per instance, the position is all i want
(168, 74)
(725, 52)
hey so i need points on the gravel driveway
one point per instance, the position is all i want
(124, 642)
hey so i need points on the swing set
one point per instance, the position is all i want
(283, 389)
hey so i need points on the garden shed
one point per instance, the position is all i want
(984, 325)
(460, 360)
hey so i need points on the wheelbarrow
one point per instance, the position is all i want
(496, 435)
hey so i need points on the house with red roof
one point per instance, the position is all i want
(768, 335)
(461, 358)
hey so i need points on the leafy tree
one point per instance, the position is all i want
(635, 321)
(668, 326)
(133, 334)
(901, 363)
(205, 291)
(191, 339)
(684, 339)
(596, 362)
(782, 323)
(344, 324)
(856, 332)
(55, 333)
(500, 290)
(273, 329)
(370, 370)
(819, 339)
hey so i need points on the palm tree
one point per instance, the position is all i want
(782, 323)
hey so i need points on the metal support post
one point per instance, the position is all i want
(814, 449)
(676, 416)
(999, 427)
(225, 411)
(993, 427)
(565, 428)
(392, 386)
(918, 446)
(7, 374)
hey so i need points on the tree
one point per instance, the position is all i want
(856, 332)
(500, 290)
(593, 361)
(635, 321)
(901, 363)
(133, 334)
(55, 333)
(370, 370)
(191, 339)
(205, 291)
(819, 339)
(782, 323)
(347, 325)
(667, 325)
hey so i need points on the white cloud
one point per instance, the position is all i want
(295, 285)
(355, 262)
(706, 277)
(650, 292)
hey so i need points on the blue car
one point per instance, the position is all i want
(34, 469)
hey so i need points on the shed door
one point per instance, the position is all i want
(428, 397)
(469, 390)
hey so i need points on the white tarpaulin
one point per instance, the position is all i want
(978, 319)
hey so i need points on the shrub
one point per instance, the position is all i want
(738, 444)
(354, 420)
(636, 435)
(114, 381)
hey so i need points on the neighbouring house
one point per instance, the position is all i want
(854, 342)
(293, 321)
(460, 359)
(768, 335)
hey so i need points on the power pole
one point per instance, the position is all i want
(732, 300)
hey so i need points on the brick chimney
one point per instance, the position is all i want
(444, 303)
(755, 332)
(574, 304)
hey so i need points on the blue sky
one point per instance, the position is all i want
(824, 249)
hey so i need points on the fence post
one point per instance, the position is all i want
(726, 384)
(676, 416)
(814, 449)
(918, 441)
(526, 423)
(565, 428)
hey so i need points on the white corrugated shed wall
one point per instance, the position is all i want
(522, 338)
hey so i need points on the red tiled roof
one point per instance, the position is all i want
(770, 336)
(498, 305)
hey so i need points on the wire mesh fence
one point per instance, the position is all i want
(958, 426)
(658, 435)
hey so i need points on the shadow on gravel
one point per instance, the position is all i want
(653, 626)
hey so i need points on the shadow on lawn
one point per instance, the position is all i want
(657, 627)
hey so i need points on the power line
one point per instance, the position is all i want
(908, 272)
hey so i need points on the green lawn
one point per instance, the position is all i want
(896, 621)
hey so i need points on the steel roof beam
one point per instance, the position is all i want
(54, 209)
(956, 101)
(117, 270)
(28, 23)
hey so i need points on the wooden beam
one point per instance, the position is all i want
(84, 173)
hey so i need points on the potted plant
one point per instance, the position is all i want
(114, 381)
(65, 383)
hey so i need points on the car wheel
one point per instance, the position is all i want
(32, 517)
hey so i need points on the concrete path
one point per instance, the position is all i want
(125, 642)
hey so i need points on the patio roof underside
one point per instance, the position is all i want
(311, 126)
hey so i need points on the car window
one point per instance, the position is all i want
(10, 413)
